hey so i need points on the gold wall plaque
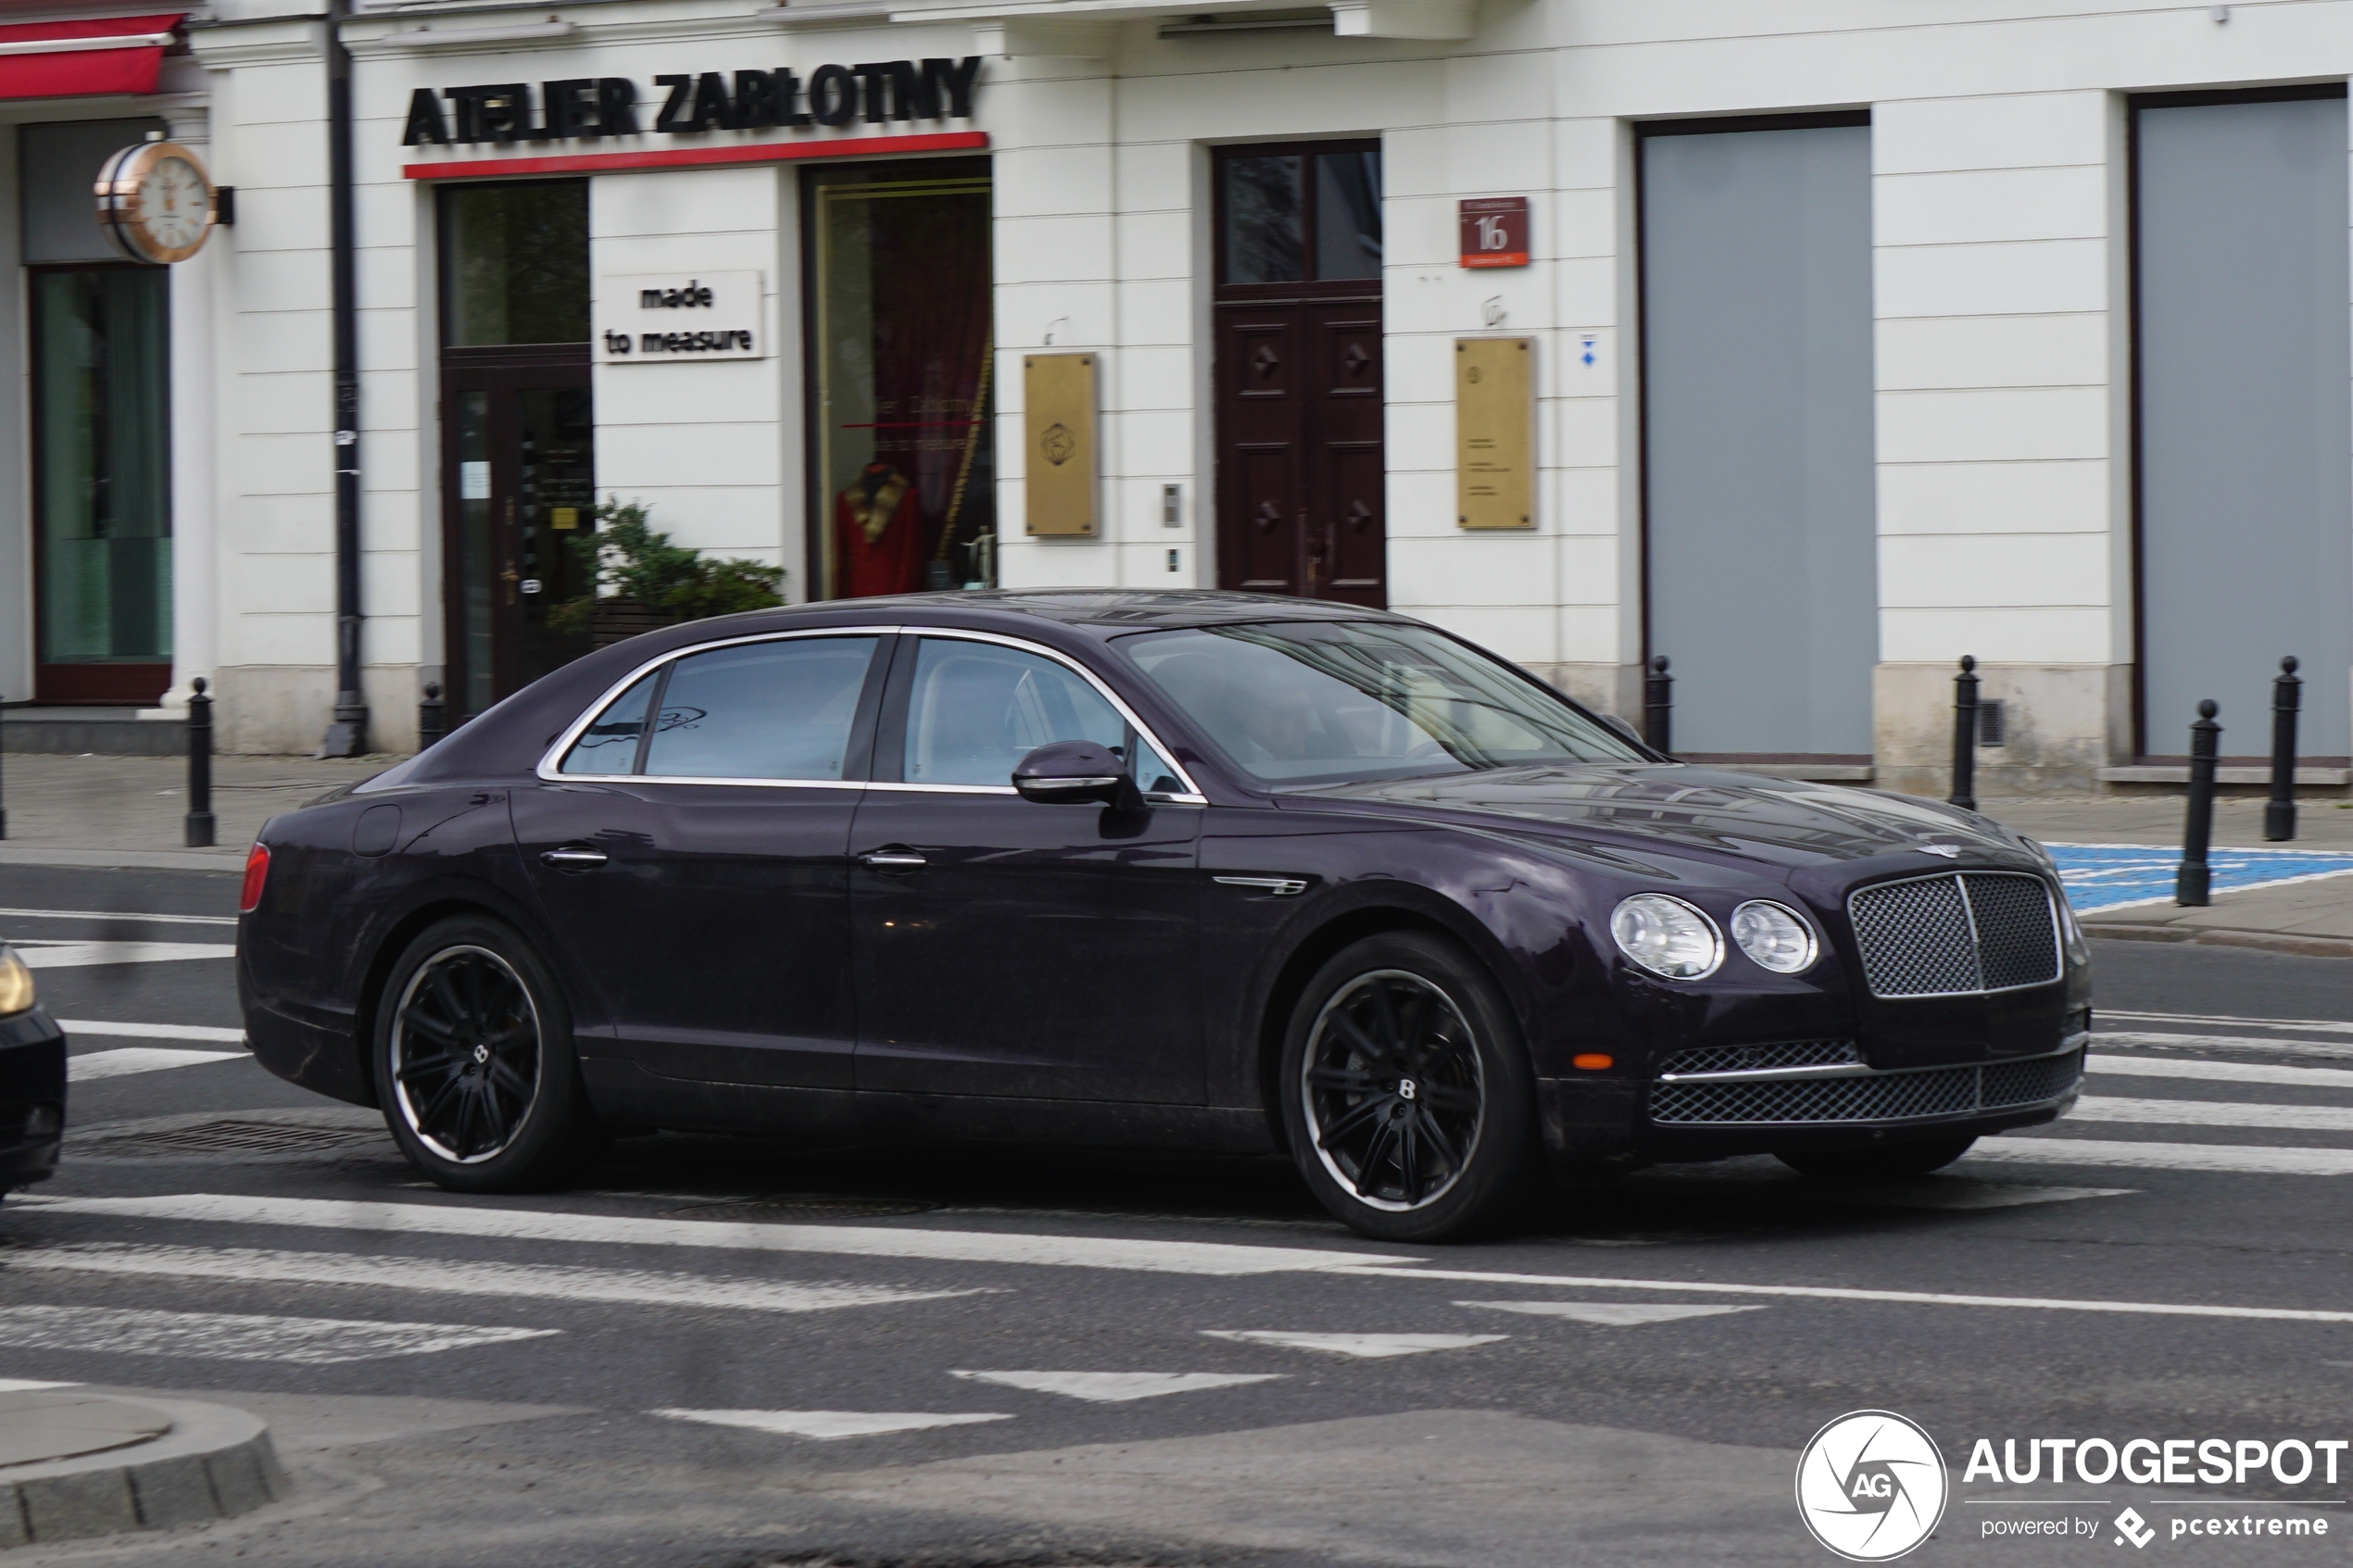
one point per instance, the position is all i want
(1494, 432)
(1058, 428)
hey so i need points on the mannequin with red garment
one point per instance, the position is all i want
(878, 535)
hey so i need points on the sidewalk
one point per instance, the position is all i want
(131, 810)
(128, 811)
(2313, 918)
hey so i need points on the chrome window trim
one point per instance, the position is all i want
(1862, 1070)
(548, 763)
(2058, 932)
(572, 732)
(1192, 795)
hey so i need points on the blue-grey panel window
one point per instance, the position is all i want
(2245, 418)
(1761, 539)
(760, 710)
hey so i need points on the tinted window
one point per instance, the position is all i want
(514, 263)
(1266, 220)
(762, 710)
(1310, 703)
(977, 709)
(609, 743)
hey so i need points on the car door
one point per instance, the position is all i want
(1013, 949)
(688, 850)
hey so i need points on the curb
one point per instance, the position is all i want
(215, 1463)
(2224, 936)
(230, 861)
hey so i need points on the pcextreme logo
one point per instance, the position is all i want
(1871, 1485)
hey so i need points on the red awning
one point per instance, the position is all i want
(73, 59)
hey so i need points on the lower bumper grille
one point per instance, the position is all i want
(1878, 1096)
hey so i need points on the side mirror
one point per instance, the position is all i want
(1074, 771)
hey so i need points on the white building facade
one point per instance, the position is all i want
(1860, 337)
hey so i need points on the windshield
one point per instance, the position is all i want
(1335, 702)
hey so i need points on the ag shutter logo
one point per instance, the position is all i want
(1871, 1485)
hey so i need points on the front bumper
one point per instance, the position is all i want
(32, 1098)
(1687, 1116)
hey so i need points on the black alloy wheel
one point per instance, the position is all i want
(1407, 1093)
(474, 1063)
(465, 1054)
(1878, 1161)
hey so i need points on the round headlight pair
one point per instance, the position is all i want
(1677, 941)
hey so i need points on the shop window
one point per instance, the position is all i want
(1295, 217)
(515, 263)
(899, 321)
(102, 479)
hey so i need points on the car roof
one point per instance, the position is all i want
(1105, 611)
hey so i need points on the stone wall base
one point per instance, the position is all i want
(2063, 722)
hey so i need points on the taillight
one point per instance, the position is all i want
(256, 874)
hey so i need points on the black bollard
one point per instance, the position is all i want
(200, 822)
(2287, 696)
(2191, 882)
(1965, 736)
(1658, 706)
(430, 714)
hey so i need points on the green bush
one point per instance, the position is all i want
(626, 557)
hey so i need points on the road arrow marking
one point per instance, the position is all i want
(1117, 1387)
(138, 1059)
(826, 1425)
(1613, 1314)
(1366, 1345)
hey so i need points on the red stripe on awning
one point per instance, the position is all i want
(692, 157)
(73, 73)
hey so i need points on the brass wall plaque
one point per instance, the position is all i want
(1058, 426)
(1494, 432)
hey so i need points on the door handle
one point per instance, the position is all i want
(573, 857)
(893, 860)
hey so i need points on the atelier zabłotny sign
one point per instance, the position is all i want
(588, 107)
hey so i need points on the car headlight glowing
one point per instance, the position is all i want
(16, 983)
(1667, 936)
(1775, 937)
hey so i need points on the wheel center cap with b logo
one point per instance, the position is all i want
(1871, 1485)
(482, 1054)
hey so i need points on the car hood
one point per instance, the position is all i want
(1674, 806)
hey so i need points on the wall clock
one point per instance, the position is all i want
(155, 202)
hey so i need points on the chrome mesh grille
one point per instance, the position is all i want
(1955, 934)
(1754, 1059)
(2017, 943)
(2023, 1083)
(1886, 1096)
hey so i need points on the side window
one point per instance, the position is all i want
(977, 709)
(609, 743)
(760, 710)
(1155, 773)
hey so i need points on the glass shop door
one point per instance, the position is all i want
(521, 488)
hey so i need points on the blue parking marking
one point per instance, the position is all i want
(2103, 876)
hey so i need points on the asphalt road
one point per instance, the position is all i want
(723, 1352)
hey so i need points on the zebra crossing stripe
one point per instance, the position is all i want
(2246, 1159)
(553, 1282)
(828, 1426)
(237, 1336)
(122, 1063)
(74, 1026)
(2220, 1072)
(861, 1241)
(2213, 1113)
(75, 955)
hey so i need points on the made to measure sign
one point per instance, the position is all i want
(651, 318)
(1494, 231)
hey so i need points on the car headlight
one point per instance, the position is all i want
(1667, 936)
(1777, 938)
(16, 983)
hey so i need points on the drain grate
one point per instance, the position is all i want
(810, 1206)
(227, 1137)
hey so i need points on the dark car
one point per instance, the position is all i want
(1186, 869)
(32, 1080)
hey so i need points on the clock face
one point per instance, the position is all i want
(173, 204)
(154, 203)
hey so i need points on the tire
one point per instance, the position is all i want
(1879, 1162)
(500, 1107)
(1406, 1091)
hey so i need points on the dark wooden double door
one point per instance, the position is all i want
(1301, 476)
